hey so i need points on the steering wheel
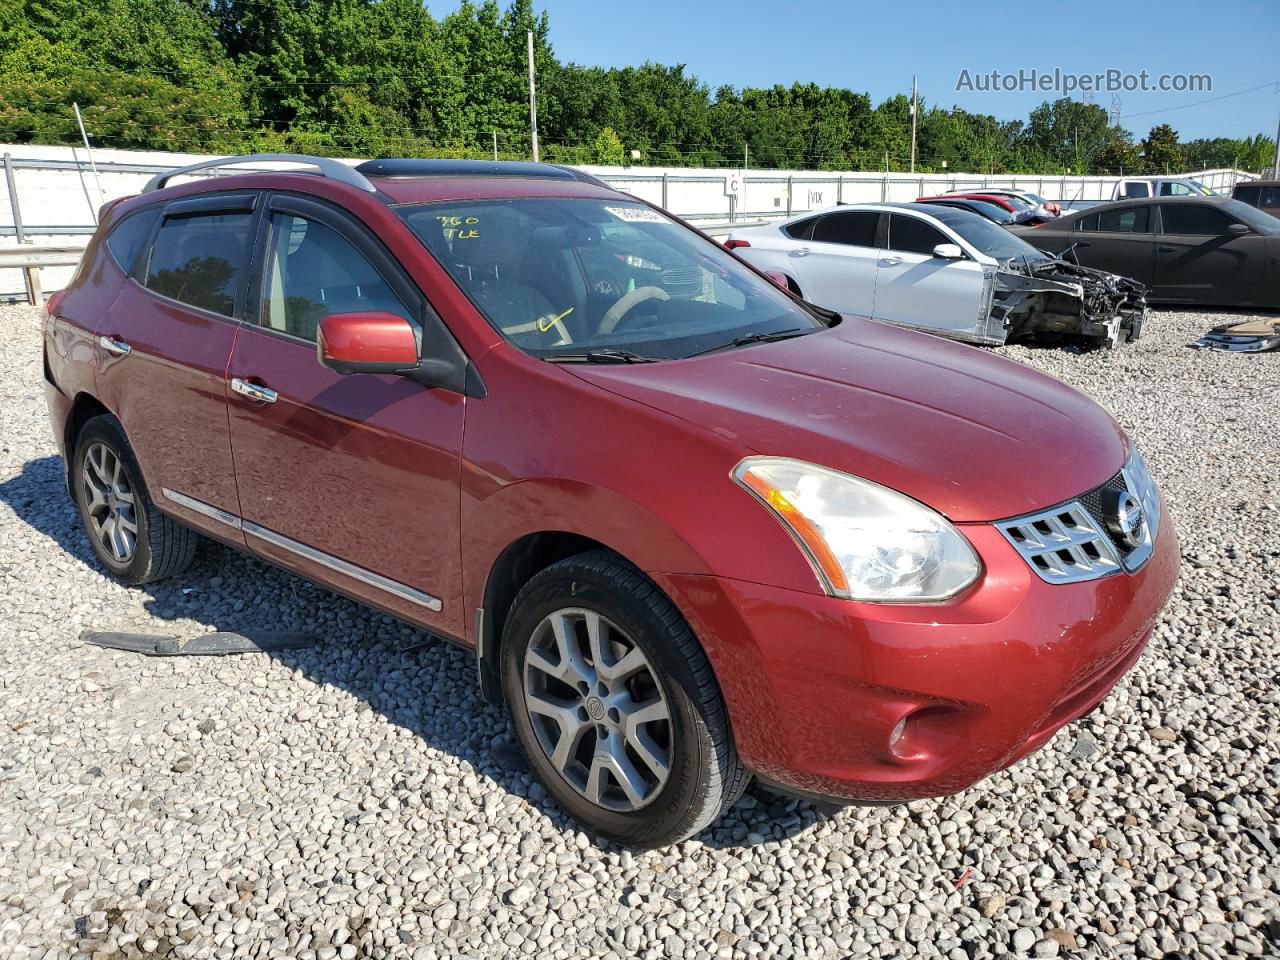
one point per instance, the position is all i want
(626, 302)
(543, 324)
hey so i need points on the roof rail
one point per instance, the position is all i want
(412, 167)
(325, 166)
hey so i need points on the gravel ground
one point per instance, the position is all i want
(357, 800)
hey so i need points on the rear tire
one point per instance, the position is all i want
(628, 730)
(131, 538)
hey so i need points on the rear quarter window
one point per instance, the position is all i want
(127, 237)
(802, 230)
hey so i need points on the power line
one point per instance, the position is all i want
(1199, 103)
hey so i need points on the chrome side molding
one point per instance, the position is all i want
(328, 560)
(202, 508)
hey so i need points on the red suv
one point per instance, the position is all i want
(695, 529)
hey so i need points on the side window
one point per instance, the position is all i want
(802, 230)
(852, 229)
(1136, 188)
(200, 259)
(313, 271)
(126, 239)
(1088, 223)
(1175, 190)
(1132, 220)
(1194, 219)
(1249, 195)
(909, 235)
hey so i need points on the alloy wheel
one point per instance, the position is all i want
(109, 502)
(598, 709)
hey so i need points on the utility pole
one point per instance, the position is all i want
(745, 157)
(533, 102)
(1275, 167)
(914, 98)
(495, 145)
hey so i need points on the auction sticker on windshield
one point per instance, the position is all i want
(637, 214)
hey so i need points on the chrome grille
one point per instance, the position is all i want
(1063, 544)
(1071, 542)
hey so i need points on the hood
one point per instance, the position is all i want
(974, 435)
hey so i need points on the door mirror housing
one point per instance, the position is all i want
(948, 251)
(1238, 230)
(371, 342)
(779, 279)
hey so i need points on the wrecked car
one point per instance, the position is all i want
(945, 270)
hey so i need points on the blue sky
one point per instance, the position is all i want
(875, 47)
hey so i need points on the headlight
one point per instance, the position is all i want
(1138, 479)
(866, 542)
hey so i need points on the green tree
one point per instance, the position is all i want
(608, 149)
(1161, 152)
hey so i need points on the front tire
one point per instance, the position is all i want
(130, 537)
(615, 704)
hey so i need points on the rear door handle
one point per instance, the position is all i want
(800, 252)
(115, 347)
(253, 391)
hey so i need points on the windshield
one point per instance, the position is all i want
(562, 277)
(991, 239)
(1260, 220)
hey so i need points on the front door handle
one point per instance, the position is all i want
(800, 252)
(115, 347)
(253, 391)
(891, 261)
(1165, 248)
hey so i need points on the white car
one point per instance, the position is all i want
(942, 269)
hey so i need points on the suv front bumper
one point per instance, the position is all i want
(886, 702)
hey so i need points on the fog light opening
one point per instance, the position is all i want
(925, 732)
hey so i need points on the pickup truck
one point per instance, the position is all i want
(1159, 187)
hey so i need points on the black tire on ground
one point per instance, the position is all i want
(706, 776)
(162, 547)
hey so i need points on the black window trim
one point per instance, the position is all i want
(438, 341)
(196, 206)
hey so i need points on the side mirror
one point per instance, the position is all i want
(367, 343)
(778, 277)
(948, 251)
(1238, 230)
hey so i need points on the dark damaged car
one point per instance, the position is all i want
(944, 270)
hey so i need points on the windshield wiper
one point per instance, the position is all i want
(757, 338)
(599, 356)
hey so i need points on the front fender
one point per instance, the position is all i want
(495, 520)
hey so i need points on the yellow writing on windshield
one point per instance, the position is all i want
(459, 228)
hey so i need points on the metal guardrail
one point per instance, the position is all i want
(28, 255)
